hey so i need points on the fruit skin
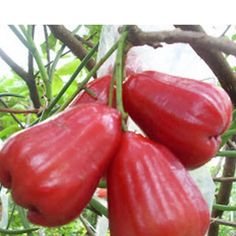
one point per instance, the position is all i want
(53, 168)
(100, 87)
(187, 116)
(151, 193)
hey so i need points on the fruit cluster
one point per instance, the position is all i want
(54, 168)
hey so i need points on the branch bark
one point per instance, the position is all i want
(205, 46)
(70, 40)
(27, 77)
(223, 193)
(223, 222)
(224, 179)
(200, 39)
(217, 63)
(220, 67)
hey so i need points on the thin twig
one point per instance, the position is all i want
(47, 45)
(70, 40)
(87, 226)
(30, 58)
(16, 111)
(225, 31)
(223, 222)
(84, 41)
(13, 116)
(224, 179)
(29, 80)
(14, 66)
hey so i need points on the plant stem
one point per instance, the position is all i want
(20, 36)
(66, 86)
(58, 56)
(222, 207)
(111, 92)
(39, 62)
(224, 179)
(54, 64)
(118, 75)
(223, 222)
(24, 220)
(226, 154)
(11, 215)
(99, 207)
(11, 95)
(17, 232)
(90, 74)
(229, 133)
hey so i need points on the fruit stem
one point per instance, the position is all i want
(118, 75)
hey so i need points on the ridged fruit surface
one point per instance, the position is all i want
(188, 116)
(53, 168)
(151, 193)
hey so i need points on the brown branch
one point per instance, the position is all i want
(200, 39)
(223, 222)
(70, 40)
(14, 66)
(217, 63)
(223, 193)
(15, 111)
(224, 179)
(205, 46)
(89, 43)
(29, 80)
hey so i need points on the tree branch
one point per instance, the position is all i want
(87, 42)
(223, 194)
(14, 66)
(29, 80)
(217, 63)
(70, 40)
(205, 46)
(15, 111)
(200, 39)
(12, 115)
(224, 179)
(223, 222)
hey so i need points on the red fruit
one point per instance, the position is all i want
(99, 87)
(102, 192)
(54, 168)
(187, 116)
(151, 193)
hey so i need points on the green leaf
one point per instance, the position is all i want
(8, 131)
(57, 84)
(68, 68)
(233, 37)
(51, 43)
